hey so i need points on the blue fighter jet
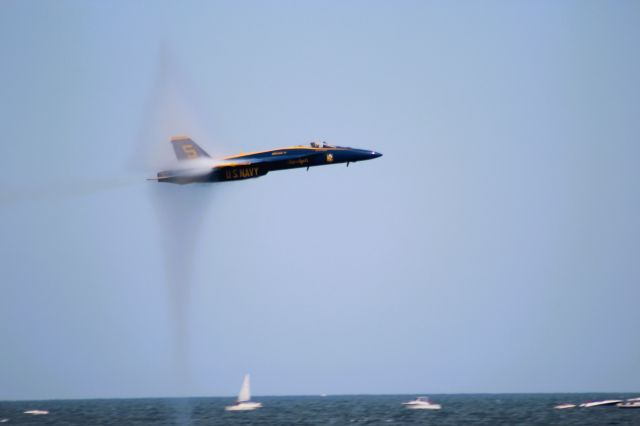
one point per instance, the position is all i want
(200, 167)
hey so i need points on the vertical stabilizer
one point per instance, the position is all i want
(186, 149)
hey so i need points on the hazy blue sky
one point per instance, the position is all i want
(493, 248)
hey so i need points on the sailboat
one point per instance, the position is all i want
(244, 402)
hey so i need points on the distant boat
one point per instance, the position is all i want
(36, 412)
(564, 406)
(422, 403)
(600, 403)
(629, 403)
(244, 402)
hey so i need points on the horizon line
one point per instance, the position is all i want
(315, 395)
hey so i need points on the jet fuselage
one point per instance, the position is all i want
(256, 164)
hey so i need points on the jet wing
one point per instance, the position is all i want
(265, 160)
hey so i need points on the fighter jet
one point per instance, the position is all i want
(200, 167)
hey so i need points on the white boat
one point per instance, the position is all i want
(564, 406)
(244, 402)
(36, 412)
(422, 403)
(629, 403)
(600, 403)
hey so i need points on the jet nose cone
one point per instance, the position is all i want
(375, 154)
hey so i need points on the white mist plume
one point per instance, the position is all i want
(60, 190)
(199, 167)
(180, 209)
(171, 109)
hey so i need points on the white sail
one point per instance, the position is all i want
(245, 390)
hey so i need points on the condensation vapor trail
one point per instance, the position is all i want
(63, 190)
(180, 209)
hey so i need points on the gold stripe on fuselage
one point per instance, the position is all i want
(279, 151)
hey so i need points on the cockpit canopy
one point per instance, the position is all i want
(324, 145)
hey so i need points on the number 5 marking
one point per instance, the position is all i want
(190, 151)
